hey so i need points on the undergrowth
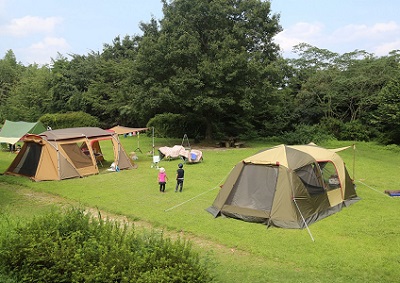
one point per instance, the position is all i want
(74, 246)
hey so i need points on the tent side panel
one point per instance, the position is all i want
(120, 156)
(71, 154)
(284, 213)
(226, 189)
(252, 195)
(48, 165)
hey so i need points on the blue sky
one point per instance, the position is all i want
(37, 29)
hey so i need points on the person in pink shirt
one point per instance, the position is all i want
(162, 179)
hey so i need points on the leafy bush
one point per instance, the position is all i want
(69, 120)
(76, 247)
(355, 130)
(304, 134)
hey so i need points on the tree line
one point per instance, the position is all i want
(212, 69)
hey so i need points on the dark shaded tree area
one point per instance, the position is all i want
(214, 65)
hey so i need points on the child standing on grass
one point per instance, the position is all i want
(162, 179)
(180, 174)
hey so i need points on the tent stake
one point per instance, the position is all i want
(305, 223)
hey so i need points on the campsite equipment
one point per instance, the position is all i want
(286, 186)
(187, 154)
(12, 132)
(65, 153)
(393, 193)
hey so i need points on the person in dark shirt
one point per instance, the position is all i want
(180, 174)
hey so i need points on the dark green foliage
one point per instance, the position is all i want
(304, 134)
(387, 117)
(171, 125)
(356, 131)
(77, 247)
(69, 120)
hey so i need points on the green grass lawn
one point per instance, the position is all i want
(358, 244)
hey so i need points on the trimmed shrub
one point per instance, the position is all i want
(76, 247)
(69, 120)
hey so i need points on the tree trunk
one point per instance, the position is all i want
(208, 135)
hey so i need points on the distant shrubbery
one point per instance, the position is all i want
(77, 247)
(169, 125)
(69, 120)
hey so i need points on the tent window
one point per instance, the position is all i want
(255, 187)
(30, 160)
(330, 175)
(311, 177)
(76, 155)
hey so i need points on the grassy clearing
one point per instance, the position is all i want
(358, 244)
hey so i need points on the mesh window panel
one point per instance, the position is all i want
(77, 156)
(255, 187)
(309, 176)
(330, 175)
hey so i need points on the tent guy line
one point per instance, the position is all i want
(373, 188)
(166, 210)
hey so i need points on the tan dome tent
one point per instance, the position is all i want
(65, 153)
(286, 186)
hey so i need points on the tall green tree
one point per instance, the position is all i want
(211, 58)
(10, 74)
(30, 97)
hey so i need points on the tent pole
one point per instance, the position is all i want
(354, 161)
(153, 139)
(305, 223)
(138, 143)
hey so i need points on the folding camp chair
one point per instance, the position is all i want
(156, 160)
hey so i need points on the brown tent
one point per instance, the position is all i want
(65, 153)
(286, 186)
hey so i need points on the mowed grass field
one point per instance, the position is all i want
(358, 244)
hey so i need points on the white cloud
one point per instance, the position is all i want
(385, 48)
(29, 25)
(360, 32)
(378, 38)
(298, 33)
(41, 52)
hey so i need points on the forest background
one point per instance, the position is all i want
(213, 70)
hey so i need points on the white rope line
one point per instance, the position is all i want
(305, 223)
(197, 195)
(372, 188)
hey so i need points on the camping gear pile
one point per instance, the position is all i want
(178, 151)
(66, 153)
(170, 153)
(286, 186)
(187, 154)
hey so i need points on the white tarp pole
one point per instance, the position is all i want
(305, 223)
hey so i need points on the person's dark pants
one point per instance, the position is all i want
(179, 184)
(162, 186)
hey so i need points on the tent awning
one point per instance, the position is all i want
(120, 130)
(12, 132)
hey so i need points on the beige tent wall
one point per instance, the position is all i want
(70, 151)
(120, 156)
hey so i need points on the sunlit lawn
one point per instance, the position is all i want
(358, 244)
